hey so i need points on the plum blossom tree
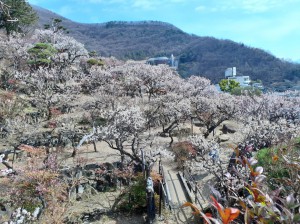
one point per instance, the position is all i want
(155, 80)
(167, 111)
(196, 86)
(69, 50)
(282, 107)
(207, 159)
(127, 78)
(14, 52)
(271, 107)
(268, 134)
(269, 119)
(212, 110)
(13, 126)
(46, 90)
(123, 125)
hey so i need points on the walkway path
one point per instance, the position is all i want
(177, 197)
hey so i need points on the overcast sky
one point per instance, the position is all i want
(272, 25)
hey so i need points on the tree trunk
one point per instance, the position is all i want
(95, 147)
(172, 140)
(122, 161)
(7, 165)
(74, 152)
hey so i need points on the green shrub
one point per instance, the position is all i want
(275, 166)
(134, 199)
(93, 61)
(41, 54)
(99, 121)
(31, 206)
(227, 85)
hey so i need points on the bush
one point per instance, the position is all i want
(267, 158)
(279, 165)
(134, 199)
(93, 61)
(183, 151)
(228, 85)
(99, 121)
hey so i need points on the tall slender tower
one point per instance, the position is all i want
(172, 61)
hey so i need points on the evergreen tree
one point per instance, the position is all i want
(41, 55)
(227, 85)
(18, 15)
(56, 25)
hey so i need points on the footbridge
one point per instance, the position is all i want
(178, 187)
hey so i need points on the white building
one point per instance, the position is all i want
(230, 74)
(243, 80)
(172, 61)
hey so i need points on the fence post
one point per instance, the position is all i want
(192, 127)
(143, 163)
(129, 201)
(160, 197)
(196, 191)
(159, 167)
(150, 201)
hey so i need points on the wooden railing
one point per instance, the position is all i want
(163, 189)
(192, 186)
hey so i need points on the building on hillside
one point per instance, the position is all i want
(230, 74)
(258, 85)
(172, 61)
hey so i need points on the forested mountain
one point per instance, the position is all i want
(206, 56)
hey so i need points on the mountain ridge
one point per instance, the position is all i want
(205, 56)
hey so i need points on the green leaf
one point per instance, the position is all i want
(296, 218)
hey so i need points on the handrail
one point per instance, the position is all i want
(164, 186)
(193, 187)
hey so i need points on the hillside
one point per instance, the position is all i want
(204, 56)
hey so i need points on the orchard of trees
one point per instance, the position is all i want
(54, 102)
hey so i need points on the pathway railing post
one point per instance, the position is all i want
(143, 163)
(159, 167)
(192, 127)
(196, 192)
(160, 197)
(150, 200)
